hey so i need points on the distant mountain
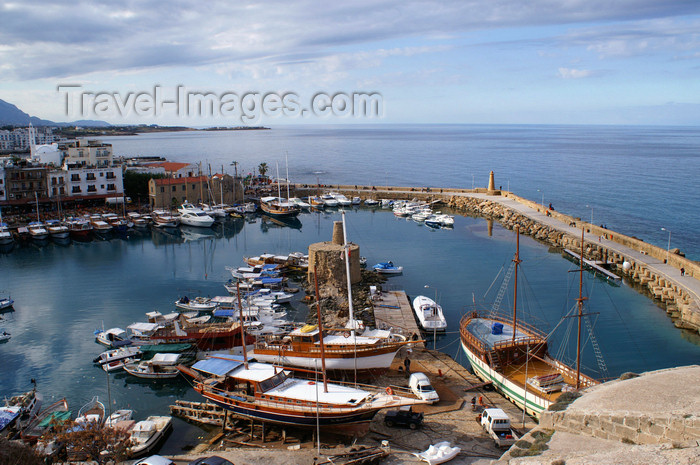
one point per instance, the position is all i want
(10, 115)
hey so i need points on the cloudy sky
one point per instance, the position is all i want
(462, 61)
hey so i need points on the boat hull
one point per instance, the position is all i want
(374, 363)
(513, 392)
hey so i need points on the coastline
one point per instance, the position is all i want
(647, 263)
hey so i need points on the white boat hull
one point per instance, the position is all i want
(374, 362)
(516, 394)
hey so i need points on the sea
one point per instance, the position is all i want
(635, 180)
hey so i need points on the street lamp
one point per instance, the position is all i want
(434, 326)
(668, 247)
(588, 206)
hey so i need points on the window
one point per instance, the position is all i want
(111, 187)
(75, 177)
(90, 176)
(76, 190)
(110, 175)
(174, 188)
(162, 189)
(184, 188)
(92, 188)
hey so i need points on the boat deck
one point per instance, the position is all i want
(393, 309)
(535, 368)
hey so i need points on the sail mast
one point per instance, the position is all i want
(517, 261)
(242, 323)
(580, 315)
(351, 316)
(320, 332)
(286, 162)
(279, 193)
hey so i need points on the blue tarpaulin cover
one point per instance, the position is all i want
(219, 365)
(497, 328)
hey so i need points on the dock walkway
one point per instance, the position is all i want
(393, 309)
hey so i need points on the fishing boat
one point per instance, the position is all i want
(163, 219)
(279, 207)
(147, 434)
(208, 336)
(37, 231)
(118, 416)
(271, 394)
(99, 225)
(5, 234)
(387, 268)
(114, 359)
(55, 413)
(300, 203)
(20, 410)
(92, 412)
(316, 201)
(341, 199)
(371, 202)
(514, 356)
(429, 314)
(197, 304)
(57, 230)
(4, 336)
(6, 302)
(329, 201)
(161, 366)
(111, 336)
(79, 229)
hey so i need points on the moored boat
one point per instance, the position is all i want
(429, 314)
(196, 304)
(191, 215)
(514, 356)
(37, 231)
(92, 412)
(79, 228)
(163, 219)
(57, 230)
(265, 392)
(162, 366)
(279, 207)
(147, 434)
(387, 268)
(55, 413)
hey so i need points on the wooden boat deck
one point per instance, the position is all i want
(393, 309)
(535, 367)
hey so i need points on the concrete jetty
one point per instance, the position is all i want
(392, 309)
(641, 262)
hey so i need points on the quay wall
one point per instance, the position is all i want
(682, 304)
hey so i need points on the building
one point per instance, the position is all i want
(20, 138)
(171, 192)
(83, 153)
(24, 182)
(78, 183)
(174, 170)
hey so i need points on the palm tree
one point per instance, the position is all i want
(262, 168)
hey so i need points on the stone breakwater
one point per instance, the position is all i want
(682, 304)
(679, 302)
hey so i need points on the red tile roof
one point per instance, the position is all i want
(170, 166)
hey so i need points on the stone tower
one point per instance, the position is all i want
(492, 184)
(329, 260)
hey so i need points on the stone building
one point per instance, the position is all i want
(171, 192)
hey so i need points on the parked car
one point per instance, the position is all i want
(404, 416)
(155, 460)
(212, 460)
(421, 387)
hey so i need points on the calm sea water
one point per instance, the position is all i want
(634, 179)
(64, 293)
(637, 180)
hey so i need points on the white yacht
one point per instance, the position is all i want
(429, 314)
(191, 215)
(341, 199)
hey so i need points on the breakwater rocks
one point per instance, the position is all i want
(680, 304)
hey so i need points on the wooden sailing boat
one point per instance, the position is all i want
(277, 206)
(266, 392)
(372, 351)
(514, 356)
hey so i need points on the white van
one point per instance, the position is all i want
(421, 387)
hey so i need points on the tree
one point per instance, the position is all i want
(262, 168)
(90, 442)
(14, 452)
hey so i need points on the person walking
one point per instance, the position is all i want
(407, 366)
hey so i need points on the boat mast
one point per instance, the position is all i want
(279, 192)
(36, 197)
(351, 313)
(240, 321)
(320, 332)
(517, 261)
(580, 315)
(286, 162)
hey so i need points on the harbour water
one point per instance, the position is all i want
(634, 179)
(64, 292)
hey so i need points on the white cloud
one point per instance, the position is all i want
(572, 73)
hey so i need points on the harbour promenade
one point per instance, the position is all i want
(647, 264)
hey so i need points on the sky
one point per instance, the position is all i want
(292, 62)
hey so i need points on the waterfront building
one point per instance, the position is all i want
(173, 169)
(3, 191)
(20, 138)
(81, 183)
(83, 152)
(22, 182)
(170, 192)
